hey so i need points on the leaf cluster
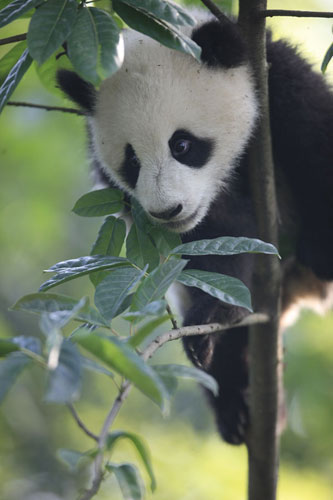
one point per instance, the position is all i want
(74, 34)
(131, 275)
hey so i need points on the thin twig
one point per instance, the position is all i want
(172, 318)
(98, 477)
(12, 39)
(187, 331)
(294, 13)
(162, 339)
(216, 11)
(80, 423)
(45, 107)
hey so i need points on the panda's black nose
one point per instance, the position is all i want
(168, 214)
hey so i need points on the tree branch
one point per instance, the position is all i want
(188, 331)
(98, 475)
(294, 13)
(126, 387)
(215, 11)
(45, 107)
(262, 439)
(80, 423)
(12, 39)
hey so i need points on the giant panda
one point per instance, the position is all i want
(174, 133)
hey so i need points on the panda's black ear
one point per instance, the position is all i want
(78, 90)
(222, 44)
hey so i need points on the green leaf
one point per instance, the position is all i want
(65, 381)
(47, 72)
(10, 369)
(225, 245)
(225, 288)
(49, 27)
(188, 372)
(155, 286)
(13, 344)
(113, 290)
(7, 346)
(328, 56)
(91, 365)
(140, 249)
(110, 238)
(30, 343)
(111, 50)
(95, 46)
(158, 30)
(100, 202)
(55, 320)
(122, 359)
(74, 459)
(141, 448)
(140, 217)
(15, 10)
(146, 330)
(14, 77)
(75, 268)
(52, 302)
(155, 308)
(167, 11)
(109, 241)
(10, 59)
(128, 479)
(170, 381)
(165, 241)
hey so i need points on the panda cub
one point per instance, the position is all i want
(174, 133)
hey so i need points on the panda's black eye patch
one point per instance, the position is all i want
(130, 167)
(189, 149)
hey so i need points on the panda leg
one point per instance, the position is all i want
(224, 356)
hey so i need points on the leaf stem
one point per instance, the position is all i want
(172, 319)
(294, 13)
(80, 423)
(46, 108)
(36, 357)
(126, 386)
(13, 39)
(98, 476)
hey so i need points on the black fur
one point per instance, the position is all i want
(78, 90)
(130, 168)
(200, 150)
(301, 107)
(221, 44)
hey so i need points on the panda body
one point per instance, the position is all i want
(174, 133)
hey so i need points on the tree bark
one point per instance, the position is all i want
(264, 344)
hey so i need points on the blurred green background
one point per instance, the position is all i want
(43, 171)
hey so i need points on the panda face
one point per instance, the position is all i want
(168, 129)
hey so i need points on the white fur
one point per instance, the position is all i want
(156, 92)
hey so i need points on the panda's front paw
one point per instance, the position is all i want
(200, 349)
(229, 367)
(232, 418)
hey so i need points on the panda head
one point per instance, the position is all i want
(168, 129)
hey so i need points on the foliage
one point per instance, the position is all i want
(133, 286)
(86, 38)
(125, 286)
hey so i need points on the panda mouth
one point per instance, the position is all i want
(184, 224)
